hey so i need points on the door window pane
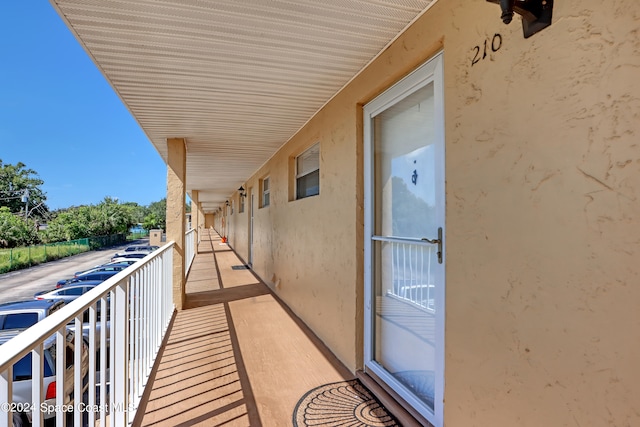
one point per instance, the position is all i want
(404, 161)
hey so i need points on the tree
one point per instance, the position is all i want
(108, 217)
(156, 217)
(15, 231)
(16, 181)
(137, 211)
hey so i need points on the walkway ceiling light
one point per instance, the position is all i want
(242, 192)
(536, 14)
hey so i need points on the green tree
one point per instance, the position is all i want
(16, 181)
(137, 211)
(15, 231)
(108, 217)
(156, 216)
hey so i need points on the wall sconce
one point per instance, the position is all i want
(242, 192)
(226, 203)
(536, 14)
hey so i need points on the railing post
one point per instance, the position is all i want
(6, 393)
(119, 342)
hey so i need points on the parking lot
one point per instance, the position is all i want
(23, 284)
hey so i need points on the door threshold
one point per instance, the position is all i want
(405, 414)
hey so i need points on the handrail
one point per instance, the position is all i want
(190, 249)
(128, 317)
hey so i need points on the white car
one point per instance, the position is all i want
(128, 261)
(122, 260)
(22, 376)
(140, 249)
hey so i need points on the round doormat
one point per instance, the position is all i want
(345, 403)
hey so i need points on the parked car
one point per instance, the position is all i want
(136, 249)
(95, 276)
(100, 268)
(131, 255)
(128, 261)
(69, 292)
(22, 373)
(23, 314)
(122, 260)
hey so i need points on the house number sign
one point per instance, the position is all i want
(481, 53)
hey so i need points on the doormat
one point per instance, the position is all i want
(346, 403)
(239, 267)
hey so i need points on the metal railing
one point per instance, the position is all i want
(128, 316)
(411, 274)
(189, 249)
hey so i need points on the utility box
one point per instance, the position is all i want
(156, 237)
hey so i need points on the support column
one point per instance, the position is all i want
(195, 218)
(176, 213)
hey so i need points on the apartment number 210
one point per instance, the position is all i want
(481, 53)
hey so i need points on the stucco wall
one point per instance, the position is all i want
(543, 218)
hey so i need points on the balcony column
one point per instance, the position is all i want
(195, 217)
(176, 212)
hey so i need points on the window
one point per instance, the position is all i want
(266, 192)
(18, 320)
(72, 291)
(308, 173)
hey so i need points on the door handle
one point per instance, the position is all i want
(438, 242)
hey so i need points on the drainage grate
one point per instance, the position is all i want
(239, 267)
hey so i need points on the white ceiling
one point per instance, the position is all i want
(235, 78)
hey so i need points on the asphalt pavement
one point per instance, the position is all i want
(23, 284)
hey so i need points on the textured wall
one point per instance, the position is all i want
(543, 213)
(543, 217)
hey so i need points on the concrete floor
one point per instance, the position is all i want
(236, 356)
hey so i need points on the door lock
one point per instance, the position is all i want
(438, 242)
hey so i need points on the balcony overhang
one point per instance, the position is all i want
(236, 79)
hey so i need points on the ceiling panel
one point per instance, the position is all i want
(235, 78)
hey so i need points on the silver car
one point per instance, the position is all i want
(22, 376)
(69, 292)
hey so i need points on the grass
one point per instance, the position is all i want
(18, 258)
(24, 257)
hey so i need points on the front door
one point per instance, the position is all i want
(251, 204)
(404, 232)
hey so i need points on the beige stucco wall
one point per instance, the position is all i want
(542, 216)
(176, 213)
(208, 220)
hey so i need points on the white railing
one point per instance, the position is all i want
(411, 273)
(128, 316)
(189, 249)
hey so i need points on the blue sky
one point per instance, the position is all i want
(60, 117)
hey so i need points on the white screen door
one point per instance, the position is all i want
(251, 203)
(404, 232)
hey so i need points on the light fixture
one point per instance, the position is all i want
(536, 14)
(242, 192)
(226, 203)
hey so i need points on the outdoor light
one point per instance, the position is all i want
(242, 192)
(536, 14)
(226, 203)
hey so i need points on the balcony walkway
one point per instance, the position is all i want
(236, 356)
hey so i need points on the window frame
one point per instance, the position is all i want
(265, 194)
(299, 175)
